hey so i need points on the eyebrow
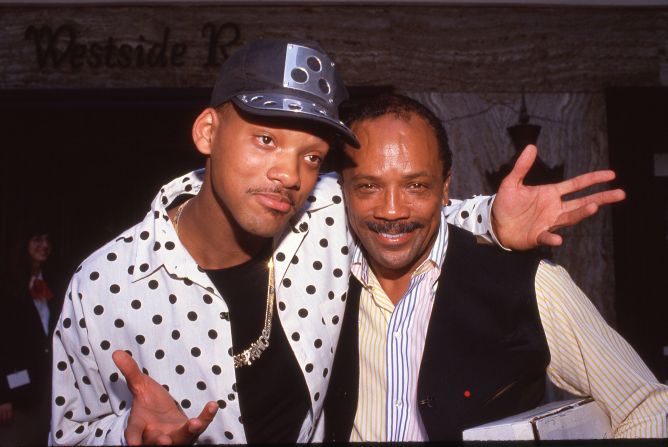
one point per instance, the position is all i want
(411, 176)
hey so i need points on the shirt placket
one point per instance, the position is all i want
(397, 360)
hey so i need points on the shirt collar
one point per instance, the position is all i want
(157, 244)
(360, 266)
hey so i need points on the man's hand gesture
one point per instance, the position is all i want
(154, 417)
(525, 216)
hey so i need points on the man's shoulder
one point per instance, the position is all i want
(116, 258)
(327, 191)
(119, 254)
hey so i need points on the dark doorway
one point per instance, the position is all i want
(638, 139)
(90, 161)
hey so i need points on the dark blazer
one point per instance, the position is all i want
(24, 344)
(485, 337)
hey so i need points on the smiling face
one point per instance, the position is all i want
(394, 191)
(259, 173)
(39, 248)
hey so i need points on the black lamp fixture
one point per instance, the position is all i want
(522, 134)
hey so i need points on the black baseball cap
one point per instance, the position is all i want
(284, 78)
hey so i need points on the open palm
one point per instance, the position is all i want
(155, 419)
(525, 216)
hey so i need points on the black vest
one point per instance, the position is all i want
(485, 353)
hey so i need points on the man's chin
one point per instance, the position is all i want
(390, 262)
(269, 227)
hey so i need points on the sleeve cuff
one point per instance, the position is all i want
(490, 227)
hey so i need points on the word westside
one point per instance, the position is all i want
(62, 47)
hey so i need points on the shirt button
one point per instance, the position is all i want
(225, 316)
(397, 335)
(397, 404)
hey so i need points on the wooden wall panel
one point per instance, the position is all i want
(447, 49)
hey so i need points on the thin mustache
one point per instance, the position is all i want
(278, 190)
(394, 227)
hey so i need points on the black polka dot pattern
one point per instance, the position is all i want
(138, 296)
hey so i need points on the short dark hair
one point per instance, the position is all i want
(401, 107)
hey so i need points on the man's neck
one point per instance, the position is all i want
(394, 288)
(394, 282)
(211, 237)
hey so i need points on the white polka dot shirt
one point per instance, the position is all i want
(143, 292)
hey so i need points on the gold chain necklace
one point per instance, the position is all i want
(177, 216)
(254, 351)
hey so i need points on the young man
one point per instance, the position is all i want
(222, 307)
(441, 333)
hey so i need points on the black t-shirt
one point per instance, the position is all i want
(273, 395)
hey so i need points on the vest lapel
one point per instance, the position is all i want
(341, 402)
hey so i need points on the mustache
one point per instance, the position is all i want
(286, 194)
(394, 227)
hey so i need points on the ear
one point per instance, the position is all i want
(446, 189)
(204, 129)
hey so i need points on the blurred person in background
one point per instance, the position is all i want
(31, 305)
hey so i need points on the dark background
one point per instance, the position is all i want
(90, 161)
(637, 129)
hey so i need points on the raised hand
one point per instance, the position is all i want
(155, 419)
(525, 216)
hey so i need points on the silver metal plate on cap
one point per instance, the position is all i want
(308, 70)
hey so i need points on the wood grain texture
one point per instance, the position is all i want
(420, 48)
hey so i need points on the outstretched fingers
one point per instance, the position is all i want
(574, 216)
(549, 239)
(599, 199)
(196, 426)
(189, 431)
(208, 413)
(583, 181)
(128, 367)
(522, 165)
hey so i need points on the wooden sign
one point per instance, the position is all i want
(63, 46)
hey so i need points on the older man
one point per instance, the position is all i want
(442, 333)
